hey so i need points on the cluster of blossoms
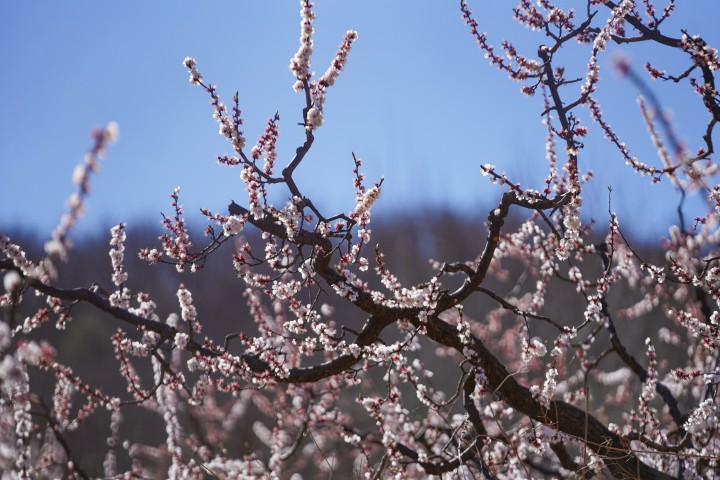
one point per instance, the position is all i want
(300, 66)
(614, 26)
(117, 253)
(524, 68)
(59, 243)
(300, 63)
(266, 145)
(15, 254)
(229, 126)
(315, 114)
(363, 204)
(176, 241)
(701, 52)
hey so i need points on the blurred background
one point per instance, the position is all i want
(417, 102)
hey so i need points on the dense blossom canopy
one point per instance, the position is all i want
(534, 393)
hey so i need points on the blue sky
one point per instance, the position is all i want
(417, 102)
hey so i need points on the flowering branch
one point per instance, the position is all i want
(569, 395)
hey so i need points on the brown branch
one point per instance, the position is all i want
(509, 306)
(438, 468)
(566, 460)
(561, 416)
(476, 420)
(630, 360)
(496, 220)
(645, 30)
(55, 427)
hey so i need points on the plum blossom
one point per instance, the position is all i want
(195, 77)
(117, 253)
(449, 371)
(233, 225)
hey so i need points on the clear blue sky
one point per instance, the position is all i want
(417, 102)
